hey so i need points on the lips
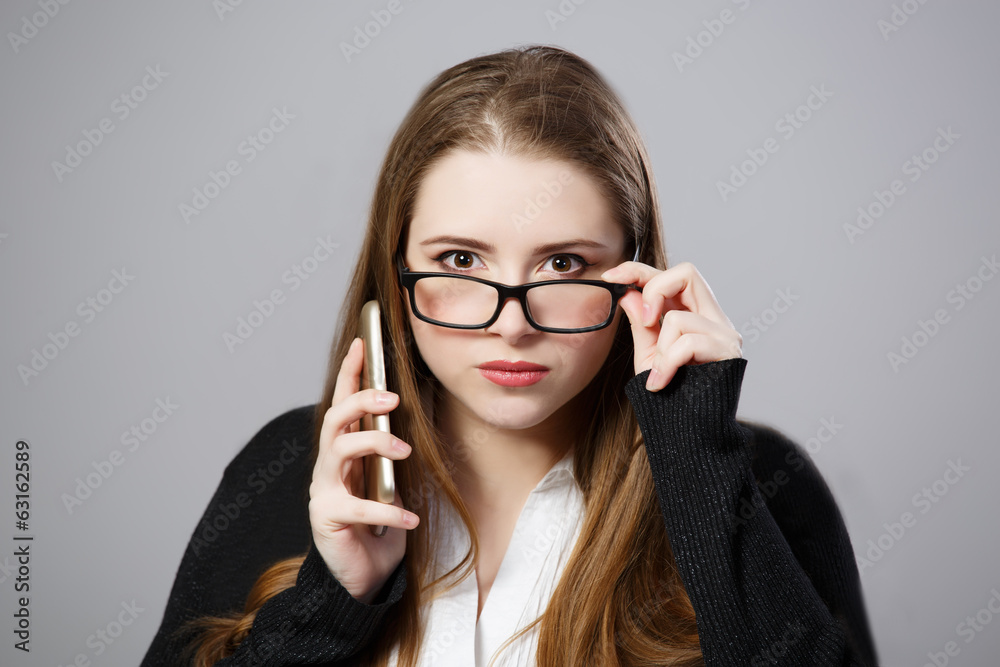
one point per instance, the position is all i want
(517, 366)
(513, 373)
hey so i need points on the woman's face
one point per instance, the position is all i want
(512, 220)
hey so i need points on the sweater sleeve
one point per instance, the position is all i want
(317, 621)
(257, 516)
(754, 601)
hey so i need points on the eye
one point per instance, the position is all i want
(464, 260)
(563, 263)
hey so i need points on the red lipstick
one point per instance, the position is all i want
(513, 373)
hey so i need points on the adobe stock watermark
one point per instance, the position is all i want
(562, 12)
(88, 309)
(664, 592)
(533, 206)
(442, 640)
(248, 149)
(104, 637)
(122, 107)
(758, 324)
(914, 168)
(224, 7)
(775, 653)
(6, 570)
(697, 44)
(967, 630)
(899, 17)
(300, 613)
(264, 309)
(363, 35)
(463, 448)
(958, 296)
(535, 548)
(219, 519)
(31, 24)
(787, 125)
(828, 427)
(701, 380)
(135, 437)
(922, 501)
(768, 488)
(417, 497)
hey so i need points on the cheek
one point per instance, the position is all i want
(436, 345)
(584, 354)
(422, 332)
(604, 340)
(423, 338)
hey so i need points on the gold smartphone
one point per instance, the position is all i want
(380, 482)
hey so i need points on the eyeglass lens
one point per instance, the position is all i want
(466, 302)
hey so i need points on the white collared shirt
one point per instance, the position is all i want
(545, 534)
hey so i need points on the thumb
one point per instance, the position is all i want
(643, 337)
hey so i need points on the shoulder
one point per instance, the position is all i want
(773, 452)
(258, 515)
(777, 458)
(792, 486)
(287, 438)
(799, 500)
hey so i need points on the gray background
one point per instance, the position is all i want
(161, 337)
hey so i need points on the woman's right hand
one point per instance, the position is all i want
(339, 514)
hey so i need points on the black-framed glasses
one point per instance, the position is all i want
(555, 306)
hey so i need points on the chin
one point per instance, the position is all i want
(498, 411)
(512, 412)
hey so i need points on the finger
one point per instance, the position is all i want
(353, 470)
(340, 418)
(351, 510)
(685, 285)
(643, 337)
(677, 323)
(338, 446)
(680, 286)
(349, 377)
(367, 443)
(692, 348)
(343, 470)
(348, 381)
(350, 410)
(687, 337)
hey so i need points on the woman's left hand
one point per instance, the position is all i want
(675, 320)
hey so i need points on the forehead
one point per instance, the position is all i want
(513, 202)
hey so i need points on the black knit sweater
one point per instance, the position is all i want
(758, 539)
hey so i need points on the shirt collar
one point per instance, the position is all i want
(561, 474)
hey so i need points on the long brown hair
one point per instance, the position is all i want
(620, 600)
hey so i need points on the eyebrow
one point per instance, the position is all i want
(489, 247)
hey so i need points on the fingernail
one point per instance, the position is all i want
(610, 273)
(647, 314)
(653, 380)
(400, 445)
(385, 397)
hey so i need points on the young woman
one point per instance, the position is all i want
(573, 487)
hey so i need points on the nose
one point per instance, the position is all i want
(511, 325)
